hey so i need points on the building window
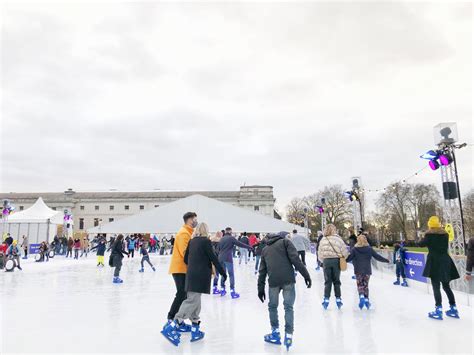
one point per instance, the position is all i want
(142, 207)
(81, 208)
(157, 206)
(111, 219)
(111, 208)
(81, 223)
(54, 208)
(21, 208)
(256, 208)
(96, 222)
(127, 207)
(96, 208)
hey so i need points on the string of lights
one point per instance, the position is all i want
(400, 180)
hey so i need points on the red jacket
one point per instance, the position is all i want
(3, 248)
(252, 240)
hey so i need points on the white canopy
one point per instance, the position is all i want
(218, 215)
(38, 213)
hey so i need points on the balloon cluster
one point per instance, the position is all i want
(67, 217)
(7, 208)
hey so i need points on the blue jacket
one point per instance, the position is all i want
(361, 257)
(225, 247)
(399, 254)
(100, 248)
(131, 244)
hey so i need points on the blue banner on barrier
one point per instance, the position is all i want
(414, 266)
(34, 248)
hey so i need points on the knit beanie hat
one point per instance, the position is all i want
(434, 222)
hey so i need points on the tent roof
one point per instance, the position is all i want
(217, 214)
(37, 213)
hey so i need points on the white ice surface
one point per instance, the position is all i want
(70, 306)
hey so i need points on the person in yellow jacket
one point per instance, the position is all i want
(178, 267)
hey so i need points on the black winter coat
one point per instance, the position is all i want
(439, 265)
(278, 259)
(470, 256)
(200, 257)
(361, 257)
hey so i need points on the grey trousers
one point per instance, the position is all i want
(190, 308)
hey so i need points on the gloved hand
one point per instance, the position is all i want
(308, 282)
(261, 295)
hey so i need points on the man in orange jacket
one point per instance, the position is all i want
(178, 267)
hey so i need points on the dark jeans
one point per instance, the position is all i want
(131, 253)
(332, 273)
(76, 253)
(147, 259)
(302, 255)
(400, 270)
(69, 253)
(118, 265)
(437, 292)
(179, 280)
(289, 296)
(229, 267)
(257, 262)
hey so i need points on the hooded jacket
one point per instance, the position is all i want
(278, 259)
(439, 265)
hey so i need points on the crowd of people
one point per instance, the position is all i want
(202, 264)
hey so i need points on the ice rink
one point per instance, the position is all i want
(70, 306)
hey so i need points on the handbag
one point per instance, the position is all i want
(342, 259)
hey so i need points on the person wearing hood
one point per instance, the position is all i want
(439, 267)
(361, 256)
(178, 267)
(226, 246)
(399, 255)
(258, 253)
(331, 249)
(278, 260)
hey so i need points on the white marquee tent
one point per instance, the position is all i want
(218, 215)
(39, 223)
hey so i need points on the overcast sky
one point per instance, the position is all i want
(205, 96)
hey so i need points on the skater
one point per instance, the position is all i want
(253, 240)
(100, 252)
(226, 245)
(301, 244)
(215, 239)
(199, 258)
(331, 249)
(258, 253)
(77, 247)
(279, 258)
(131, 247)
(24, 245)
(14, 253)
(43, 250)
(85, 246)
(361, 256)
(178, 267)
(116, 258)
(145, 257)
(469, 259)
(399, 253)
(318, 240)
(244, 251)
(70, 244)
(439, 267)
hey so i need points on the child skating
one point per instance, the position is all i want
(145, 256)
(100, 252)
(399, 253)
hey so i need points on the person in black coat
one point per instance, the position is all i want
(361, 256)
(469, 259)
(278, 260)
(199, 257)
(439, 267)
(116, 258)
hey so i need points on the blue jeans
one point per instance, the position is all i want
(244, 254)
(257, 262)
(229, 268)
(289, 295)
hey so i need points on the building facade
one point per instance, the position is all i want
(90, 209)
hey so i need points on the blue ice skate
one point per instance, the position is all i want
(274, 337)
(170, 332)
(325, 303)
(184, 328)
(234, 294)
(361, 301)
(397, 282)
(223, 292)
(215, 291)
(117, 280)
(452, 312)
(367, 303)
(288, 341)
(339, 303)
(405, 283)
(141, 270)
(153, 268)
(436, 314)
(196, 334)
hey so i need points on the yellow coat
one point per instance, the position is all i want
(181, 242)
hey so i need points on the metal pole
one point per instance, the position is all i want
(459, 196)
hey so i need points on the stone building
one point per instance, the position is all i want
(90, 209)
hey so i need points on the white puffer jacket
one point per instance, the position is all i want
(338, 249)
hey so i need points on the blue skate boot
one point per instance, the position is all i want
(436, 314)
(453, 312)
(405, 283)
(367, 303)
(288, 341)
(339, 303)
(397, 282)
(141, 270)
(196, 334)
(223, 292)
(274, 337)
(361, 301)
(153, 268)
(234, 294)
(325, 303)
(184, 328)
(117, 280)
(170, 332)
(215, 291)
